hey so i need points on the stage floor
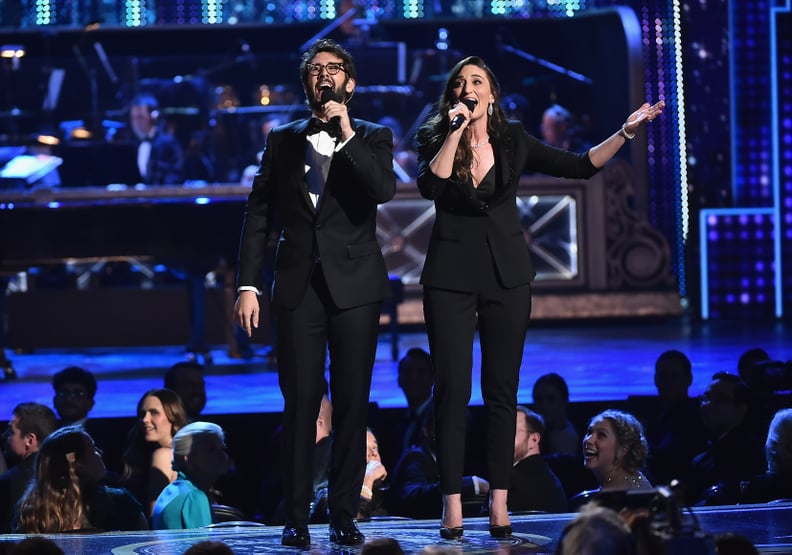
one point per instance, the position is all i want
(601, 361)
(768, 527)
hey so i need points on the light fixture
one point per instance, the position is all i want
(12, 52)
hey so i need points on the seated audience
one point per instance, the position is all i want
(29, 426)
(534, 486)
(559, 129)
(734, 453)
(199, 458)
(75, 389)
(596, 530)
(776, 482)
(66, 494)
(614, 449)
(415, 483)
(148, 459)
(187, 380)
(415, 380)
(372, 494)
(675, 433)
(748, 361)
(551, 400)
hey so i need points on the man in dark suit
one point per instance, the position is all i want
(330, 281)
(160, 158)
(533, 485)
(29, 426)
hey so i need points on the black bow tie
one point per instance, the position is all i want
(316, 125)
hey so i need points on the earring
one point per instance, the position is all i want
(489, 109)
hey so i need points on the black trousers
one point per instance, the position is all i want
(304, 337)
(451, 317)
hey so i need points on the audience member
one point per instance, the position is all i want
(75, 389)
(159, 156)
(372, 496)
(615, 450)
(596, 530)
(748, 361)
(415, 484)
(776, 482)
(533, 485)
(66, 492)
(186, 378)
(148, 459)
(209, 547)
(29, 426)
(675, 433)
(560, 130)
(199, 458)
(734, 453)
(415, 381)
(551, 400)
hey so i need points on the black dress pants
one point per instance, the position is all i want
(304, 336)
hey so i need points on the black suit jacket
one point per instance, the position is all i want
(341, 232)
(463, 222)
(166, 161)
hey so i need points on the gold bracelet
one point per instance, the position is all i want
(623, 133)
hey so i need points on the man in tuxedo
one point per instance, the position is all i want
(322, 179)
(160, 158)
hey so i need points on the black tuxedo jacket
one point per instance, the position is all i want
(341, 232)
(463, 222)
(166, 161)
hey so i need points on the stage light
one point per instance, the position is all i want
(12, 52)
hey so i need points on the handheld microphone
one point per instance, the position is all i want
(326, 96)
(459, 119)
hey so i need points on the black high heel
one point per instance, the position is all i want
(500, 532)
(451, 533)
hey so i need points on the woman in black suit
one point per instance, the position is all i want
(478, 268)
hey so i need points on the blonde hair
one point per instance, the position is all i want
(54, 499)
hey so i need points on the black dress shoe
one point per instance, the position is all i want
(347, 534)
(500, 531)
(296, 537)
(451, 533)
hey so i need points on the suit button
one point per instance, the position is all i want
(318, 227)
(484, 207)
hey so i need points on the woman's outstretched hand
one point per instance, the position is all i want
(645, 113)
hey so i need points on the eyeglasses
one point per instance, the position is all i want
(331, 68)
(718, 398)
(76, 394)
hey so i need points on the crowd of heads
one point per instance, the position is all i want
(68, 470)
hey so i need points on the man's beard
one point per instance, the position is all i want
(316, 103)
